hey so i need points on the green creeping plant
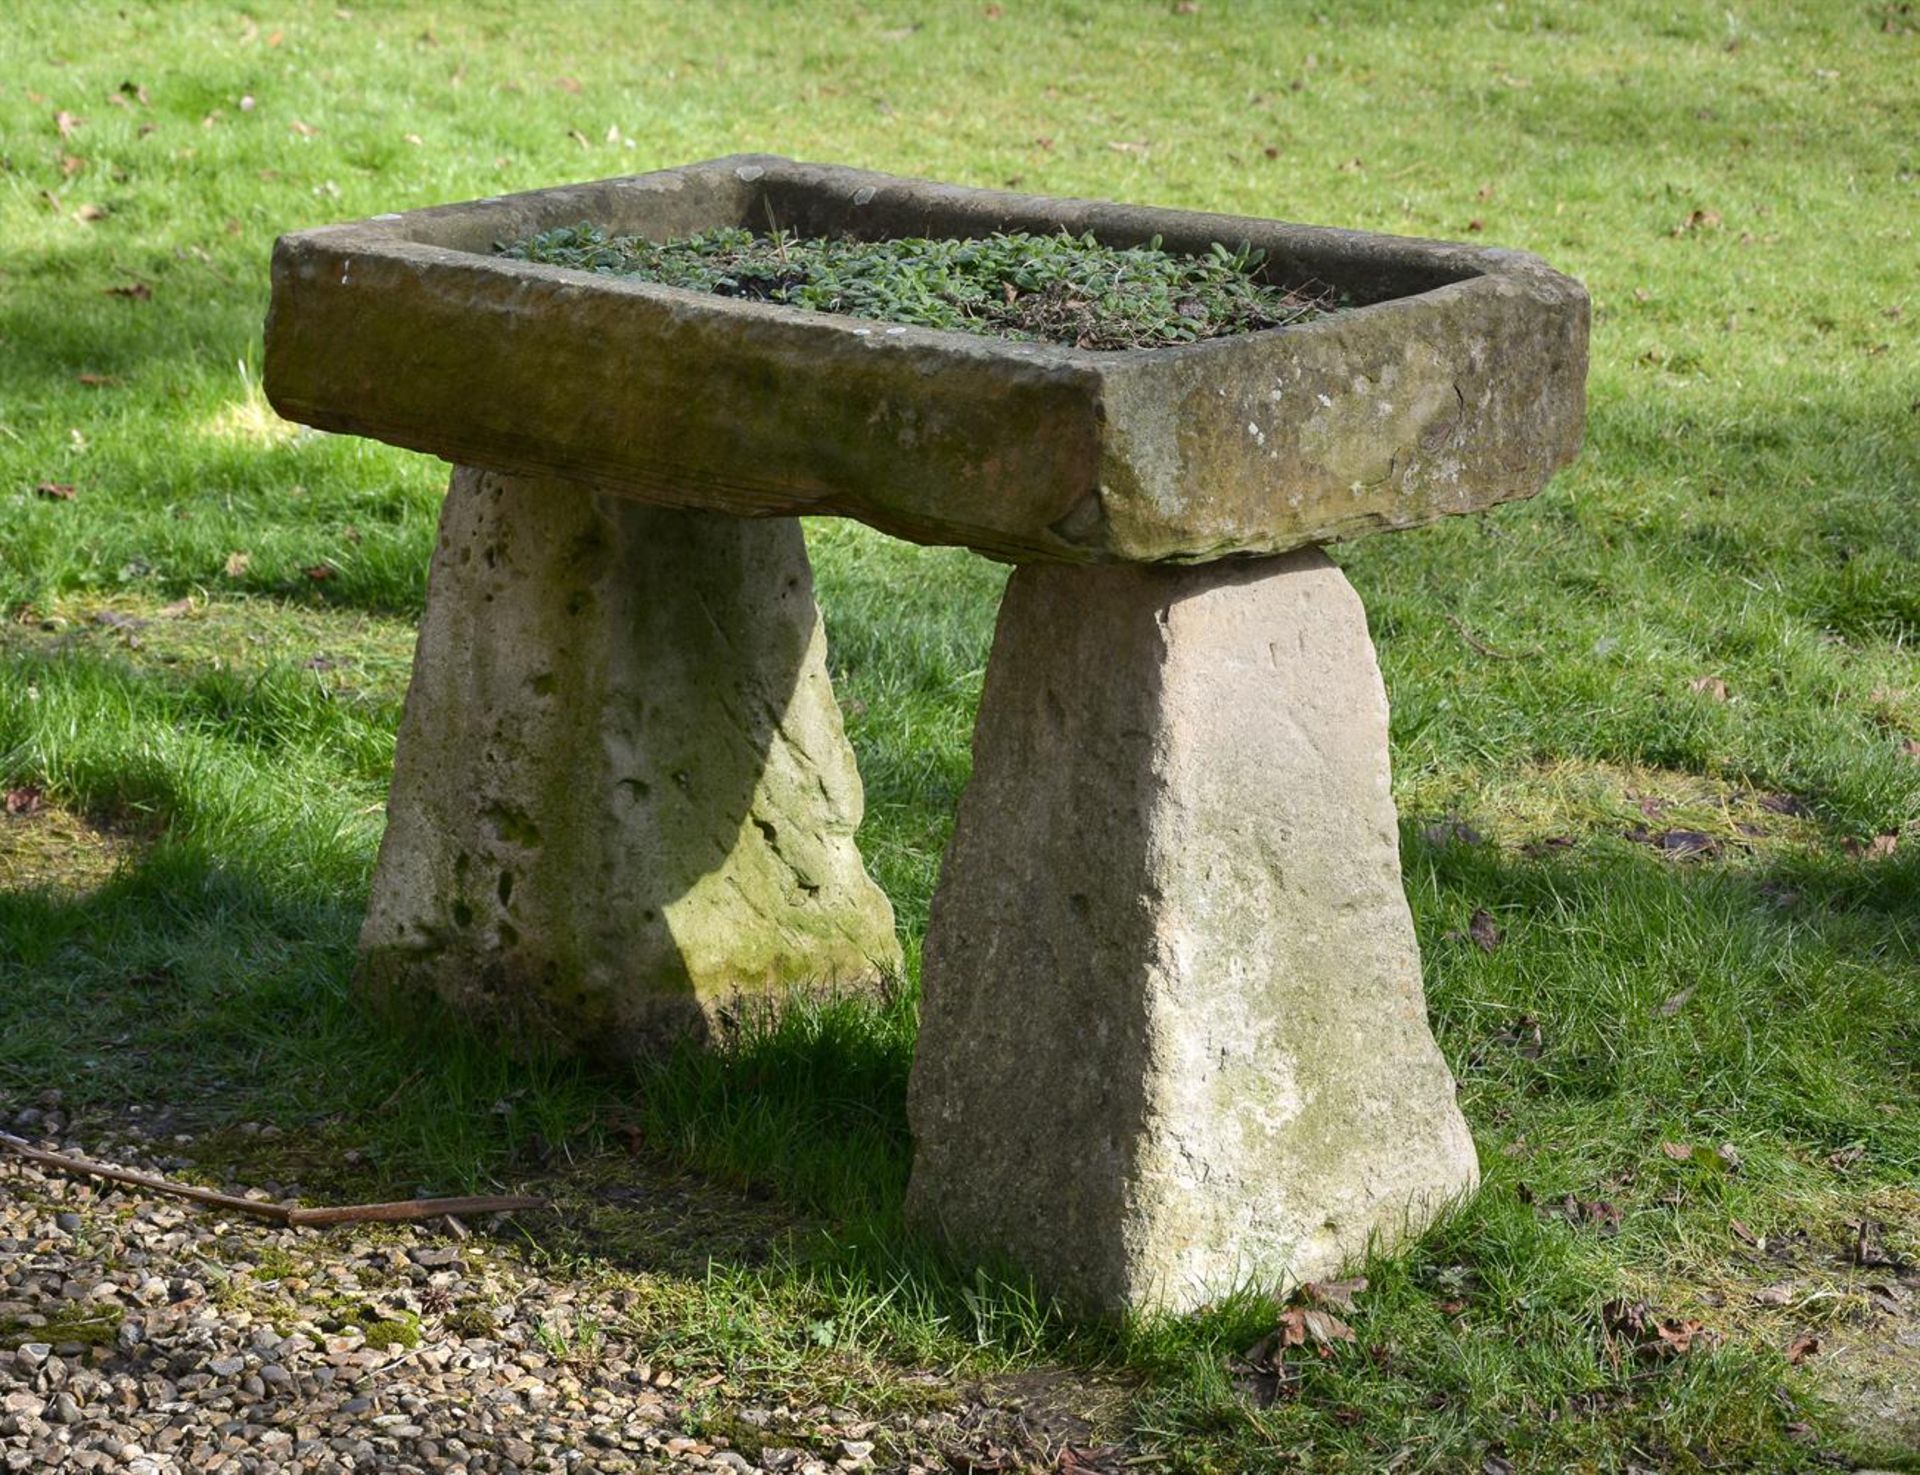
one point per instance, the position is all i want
(1050, 288)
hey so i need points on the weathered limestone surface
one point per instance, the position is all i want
(1456, 382)
(622, 792)
(1173, 1034)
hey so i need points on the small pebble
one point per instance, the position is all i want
(236, 1347)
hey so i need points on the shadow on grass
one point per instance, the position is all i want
(756, 1186)
(190, 975)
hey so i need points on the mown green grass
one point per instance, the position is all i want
(1738, 187)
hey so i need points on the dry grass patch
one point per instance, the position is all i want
(46, 847)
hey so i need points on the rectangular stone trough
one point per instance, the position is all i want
(1173, 1037)
(1458, 384)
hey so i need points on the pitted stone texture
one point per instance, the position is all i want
(1457, 381)
(622, 792)
(1172, 1031)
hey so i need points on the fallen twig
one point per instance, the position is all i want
(399, 1211)
(1481, 645)
(407, 1209)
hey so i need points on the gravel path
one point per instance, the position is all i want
(140, 1334)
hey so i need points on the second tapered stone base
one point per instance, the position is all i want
(1173, 1037)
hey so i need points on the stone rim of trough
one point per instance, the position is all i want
(1457, 382)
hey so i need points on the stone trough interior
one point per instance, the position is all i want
(814, 202)
(1173, 1039)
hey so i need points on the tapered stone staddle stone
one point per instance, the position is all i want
(622, 796)
(1173, 1036)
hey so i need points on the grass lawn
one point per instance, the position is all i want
(1661, 725)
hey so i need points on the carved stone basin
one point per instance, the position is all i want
(1455, 384)
(1172, 1035)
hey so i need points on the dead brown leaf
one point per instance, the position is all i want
(56, 491)
(1337, 1293)
(1680, 1152)
(305, 130)
(237, 563)
(66, 123)
(1483, 931)
(1878, 848)
(1600, 1213)
(1775, 1295)
(1089, 1459)
(1301, 1325)
(132, 291)
(1745, 1235)
(87, 214)
(1677, 1337)
(1889, 1297)
(1846, 1157)
(1711, 686)
(24, 800)
(97, 381)
(71, 164)
(1801, 1348)
(1675, 1003)
(1911, 747)
(320, 572)
(1698, 220)
(1626, 1318)
(1651, 1336)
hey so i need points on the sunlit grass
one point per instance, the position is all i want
(1717, 607)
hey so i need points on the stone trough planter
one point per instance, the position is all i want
(1173, 1036)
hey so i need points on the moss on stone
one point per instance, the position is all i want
(470, 1321)
(403, 1330)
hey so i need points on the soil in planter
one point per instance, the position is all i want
(1057, 289)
